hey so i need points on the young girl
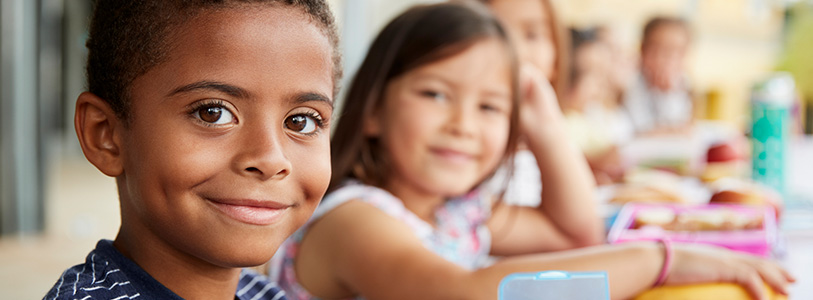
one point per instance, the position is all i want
(430, 116)
(542, 43)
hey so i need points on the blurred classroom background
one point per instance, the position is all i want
(54, 205)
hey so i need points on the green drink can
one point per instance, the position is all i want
(771, 102)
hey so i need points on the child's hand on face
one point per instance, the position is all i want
(539, 106)
(700, 263)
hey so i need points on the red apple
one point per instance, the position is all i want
(723, 152)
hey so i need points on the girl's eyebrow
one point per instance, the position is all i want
(497, 94)
(225, 88)
(531, 23)
(432, 76)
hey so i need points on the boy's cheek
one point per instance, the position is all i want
(313, 163)
(311, 167)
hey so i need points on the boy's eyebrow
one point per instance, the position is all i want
(238, 92)
(228, 89)
(311, 96)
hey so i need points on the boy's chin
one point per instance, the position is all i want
(244, 255)
(246, 260)
(248, 263)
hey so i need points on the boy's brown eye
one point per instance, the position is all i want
(296, 123)
(302, 124)
(211, 114)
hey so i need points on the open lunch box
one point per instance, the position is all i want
(745, 228)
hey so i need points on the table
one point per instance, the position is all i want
(797, 222)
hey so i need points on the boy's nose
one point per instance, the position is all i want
(262, 155)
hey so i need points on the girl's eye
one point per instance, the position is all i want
(489, 108)
(437, 96)
(302, 124)
(215, 115)
(492, 108)
(536, 33)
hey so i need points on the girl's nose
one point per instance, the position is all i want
(461, 120)
(261, 154)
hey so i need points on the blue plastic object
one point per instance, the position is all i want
(555, 285)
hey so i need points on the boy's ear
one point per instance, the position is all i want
(99, 133)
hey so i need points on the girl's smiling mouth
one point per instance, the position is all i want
(254, 212)
(452, 155)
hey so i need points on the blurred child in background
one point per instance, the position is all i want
(542, 44)
(594, 118)
(659, 101)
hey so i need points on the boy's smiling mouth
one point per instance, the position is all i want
(249, 211)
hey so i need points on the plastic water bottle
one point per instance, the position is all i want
(771, 102)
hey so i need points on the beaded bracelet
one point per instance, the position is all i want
(667, 261)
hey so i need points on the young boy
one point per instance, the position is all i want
(659, 100)
(213, 118)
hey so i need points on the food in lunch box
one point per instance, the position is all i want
(722, 219)
(649, 186)
(732, 191)
(645, 194)
(716, 171)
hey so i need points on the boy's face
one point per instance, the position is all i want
(227, 152)
(662, 56)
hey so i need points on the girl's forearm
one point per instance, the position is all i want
(631, 267)
(568, 193)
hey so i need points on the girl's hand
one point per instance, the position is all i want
(700, 263)
(539, 106)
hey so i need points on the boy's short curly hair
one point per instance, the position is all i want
(128, 38)
(662, 21)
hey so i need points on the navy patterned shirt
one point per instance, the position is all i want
(107, 274)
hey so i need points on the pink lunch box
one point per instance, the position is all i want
(758, 241)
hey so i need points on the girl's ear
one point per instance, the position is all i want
(99, 133)
(372, 126)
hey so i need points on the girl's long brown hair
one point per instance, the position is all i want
(419, 36)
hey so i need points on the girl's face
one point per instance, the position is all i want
(228, 151)
(529, 25)
(445, 125)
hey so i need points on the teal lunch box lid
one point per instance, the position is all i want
(555, 285)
